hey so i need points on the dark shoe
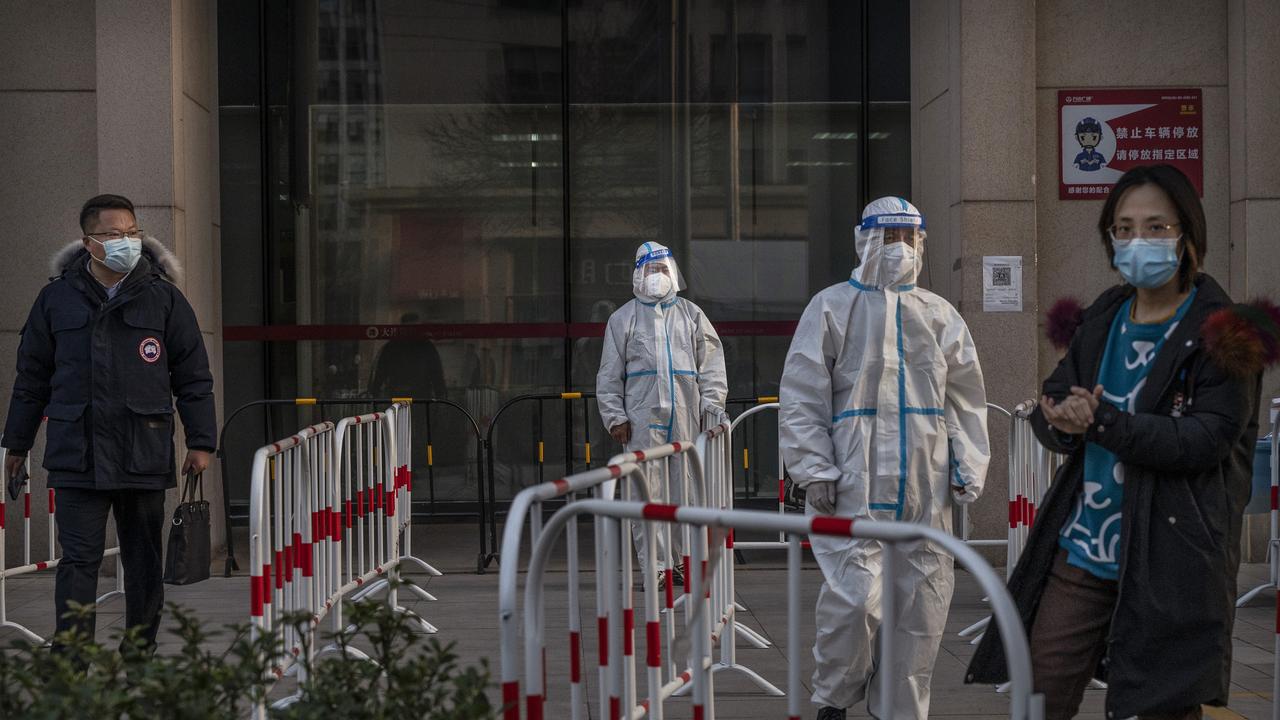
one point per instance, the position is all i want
(831, 713)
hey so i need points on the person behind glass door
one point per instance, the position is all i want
(408, 367)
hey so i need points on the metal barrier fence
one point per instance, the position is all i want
(428, 404)
(770, 403)
(711, 473)
(749, 491)
(489, 548)
(1273, 542)
(1018, 504)
(709, 528)
(282, 534)
(966, 531)
(1031, 470)
(51, 559)
(328, 513)
(529, 504)
(370, 491)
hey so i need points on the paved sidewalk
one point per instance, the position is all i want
(466, 614)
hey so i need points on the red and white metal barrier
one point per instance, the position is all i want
(781, 543)
(965, 530)
(715, 451)
(710, 527)
(1031, 470)
(1273, 552)
(51, 557)
(400, 497)
(615, 622)
(284, 503)
(328, 507)
(528, 503)
(1273, 543)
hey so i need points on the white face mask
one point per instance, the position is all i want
(657, 286)
(898, 264)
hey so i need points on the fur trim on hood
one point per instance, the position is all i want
(1061, 322)
(160, 257)
(1244, 339)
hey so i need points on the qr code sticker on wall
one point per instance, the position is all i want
(1002, 275)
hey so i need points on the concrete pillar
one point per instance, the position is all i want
(1253, 64)
(110, 96)
(974, 178)
(158, 146)
(985, 78)
(1096, 44)
(48, 149)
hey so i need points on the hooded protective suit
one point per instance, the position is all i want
(662, 370)
(883, 396)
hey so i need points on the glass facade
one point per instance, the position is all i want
(443, 197)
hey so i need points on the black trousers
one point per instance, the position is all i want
(82, 528)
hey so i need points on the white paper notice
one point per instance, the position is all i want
(1002, 283)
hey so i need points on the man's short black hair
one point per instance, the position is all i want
(89, 213)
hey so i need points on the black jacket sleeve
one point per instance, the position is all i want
(1058, 386)
(31, 387)
(1196, 442)
(190, 377)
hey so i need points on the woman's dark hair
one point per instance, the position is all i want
(95, 205)
(1183, 196)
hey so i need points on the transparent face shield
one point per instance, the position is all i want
(656, 275)
(891, 249)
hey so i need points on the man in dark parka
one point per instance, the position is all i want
(108, 346)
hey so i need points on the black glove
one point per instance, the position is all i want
(17, 481)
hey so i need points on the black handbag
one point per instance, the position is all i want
(187, 556)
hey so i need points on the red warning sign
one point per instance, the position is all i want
(1103, 133)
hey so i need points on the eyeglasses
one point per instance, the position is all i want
(116, 234)
(1123, 232)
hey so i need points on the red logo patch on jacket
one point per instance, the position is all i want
(149, 349)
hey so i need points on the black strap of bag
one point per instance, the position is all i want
(187, 556)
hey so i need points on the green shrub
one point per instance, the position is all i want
(403, 677)
(87, 680)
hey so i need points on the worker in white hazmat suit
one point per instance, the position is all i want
(661, 378)
(883, 416)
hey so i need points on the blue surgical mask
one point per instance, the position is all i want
(1147, 262)
(122, 254)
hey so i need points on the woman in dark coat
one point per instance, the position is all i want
(1130, 571)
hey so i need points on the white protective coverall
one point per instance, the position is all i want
(662, 370)
(882, 394)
